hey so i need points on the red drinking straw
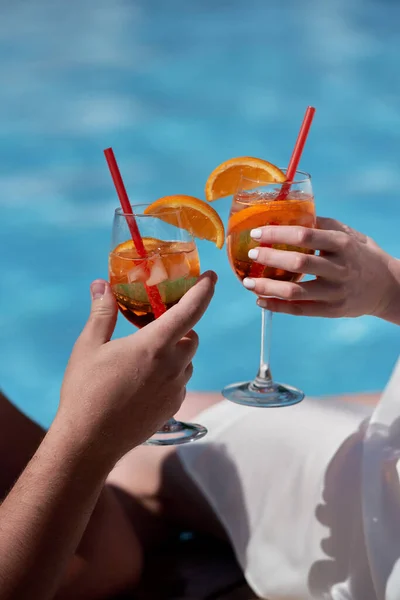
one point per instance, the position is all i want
(257, 269)
(152, 291)
(297, 152)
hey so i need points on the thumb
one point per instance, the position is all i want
(181, 318)
(103, 315)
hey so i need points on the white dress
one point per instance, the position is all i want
(287, 485)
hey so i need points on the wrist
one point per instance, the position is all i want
(81, 444)
(390, 307)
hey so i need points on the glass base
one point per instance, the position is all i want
(274, 395)
(178, 433)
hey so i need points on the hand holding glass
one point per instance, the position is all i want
(172, 264)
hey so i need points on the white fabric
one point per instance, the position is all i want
(286, 484)
(381, 491)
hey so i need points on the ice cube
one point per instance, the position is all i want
(138, 273)
(158, 272)
(178, 268)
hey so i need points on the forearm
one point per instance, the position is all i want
(391, 307)
(44, 516)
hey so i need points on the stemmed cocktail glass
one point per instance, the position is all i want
(171, 266)
(255, 205)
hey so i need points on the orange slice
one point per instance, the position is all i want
(124, 257)
(128, 247)
(226, 178)
(282, 212)
(194, 215)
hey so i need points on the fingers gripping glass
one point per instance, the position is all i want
(171, 266)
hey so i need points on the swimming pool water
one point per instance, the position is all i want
(176, 87)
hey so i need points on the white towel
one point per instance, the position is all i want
(286, 484)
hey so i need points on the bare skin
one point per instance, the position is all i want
(353, 275)
(146, 495)
(112, 562)
(68, 530)
(63, 532)
(163, 488)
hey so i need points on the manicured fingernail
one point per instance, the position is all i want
(248, 283)
(256, 234)
(253, 253)
(262, 303)
(97, 289)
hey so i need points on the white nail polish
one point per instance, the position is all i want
(249, 284)
(253, 253)
(256, 234)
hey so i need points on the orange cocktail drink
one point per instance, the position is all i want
(256, 208)
(173, 266)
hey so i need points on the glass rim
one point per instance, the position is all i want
(305, 177)
(118, 212)
(159, 220)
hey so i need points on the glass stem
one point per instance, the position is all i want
(264, 377)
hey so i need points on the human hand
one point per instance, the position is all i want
(116, 394)
(354, 276)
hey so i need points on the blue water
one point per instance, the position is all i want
(177, 87)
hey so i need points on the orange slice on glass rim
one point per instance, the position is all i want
(196, 216)
(226, 178)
